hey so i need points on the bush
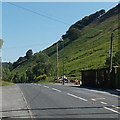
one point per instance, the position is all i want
(41, 77)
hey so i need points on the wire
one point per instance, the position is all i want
(45, 16)
(25, 46)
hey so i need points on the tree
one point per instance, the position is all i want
(16, 78)
(29, 76)
(39, 69)
(73, 33)
(40, 57)
(10, 65)
(6, 75)
(115, 60)
(29, 54)
(18, 62)
(42, 66)
(41, 77)
(23, 79)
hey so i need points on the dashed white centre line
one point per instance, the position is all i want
(112, 110)
(46, 86)
(56, 89)
(76, 97)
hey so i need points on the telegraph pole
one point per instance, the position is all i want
(57, 61)
(1, 42)
(61, 40)
(111, 51)
(57, 57)
(63, 62)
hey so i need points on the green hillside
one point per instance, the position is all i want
(90, 49)
(86, 45)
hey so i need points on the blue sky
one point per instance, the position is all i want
(37, 30)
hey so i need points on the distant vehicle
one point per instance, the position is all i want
(60, 79)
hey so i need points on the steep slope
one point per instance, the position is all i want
(86, 44)
(90, 49)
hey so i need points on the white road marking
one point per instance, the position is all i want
(56, 89)
(27, 106)
(46, 86)
(112, 110)
(76, 97)
(39, 84)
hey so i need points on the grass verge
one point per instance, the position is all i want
(47, 80)
(4, 83)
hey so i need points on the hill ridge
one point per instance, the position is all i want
(84, 48)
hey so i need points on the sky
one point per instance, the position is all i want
(38, 25)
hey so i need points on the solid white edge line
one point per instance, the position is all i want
(56, 89)
(112, 110)
(28, 107)
(76, 97)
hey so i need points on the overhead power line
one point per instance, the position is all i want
(37, 13)
(24, 46)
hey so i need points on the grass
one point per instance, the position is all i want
(4, 83)
(89, 51)
(75, 78)
(47, 80)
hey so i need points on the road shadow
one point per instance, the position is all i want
(111, 91)
(65, 114)
(55, 108)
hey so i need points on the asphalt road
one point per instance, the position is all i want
(58, 101)
(13, 104)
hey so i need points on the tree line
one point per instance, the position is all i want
(36, 72)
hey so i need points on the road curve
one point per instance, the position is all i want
(58, 101)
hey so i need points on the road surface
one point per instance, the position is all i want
(13, 102)
(58, 101)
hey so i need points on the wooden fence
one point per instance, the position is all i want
(101, 78)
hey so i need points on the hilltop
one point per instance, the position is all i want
(86, 45)
(87, 42)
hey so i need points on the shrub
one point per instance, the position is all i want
(41, 77)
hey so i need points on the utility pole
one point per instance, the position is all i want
(111, 50)
(1, 42)
(57, 57)
(57, 61)
(61, 40)
(63, 62)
